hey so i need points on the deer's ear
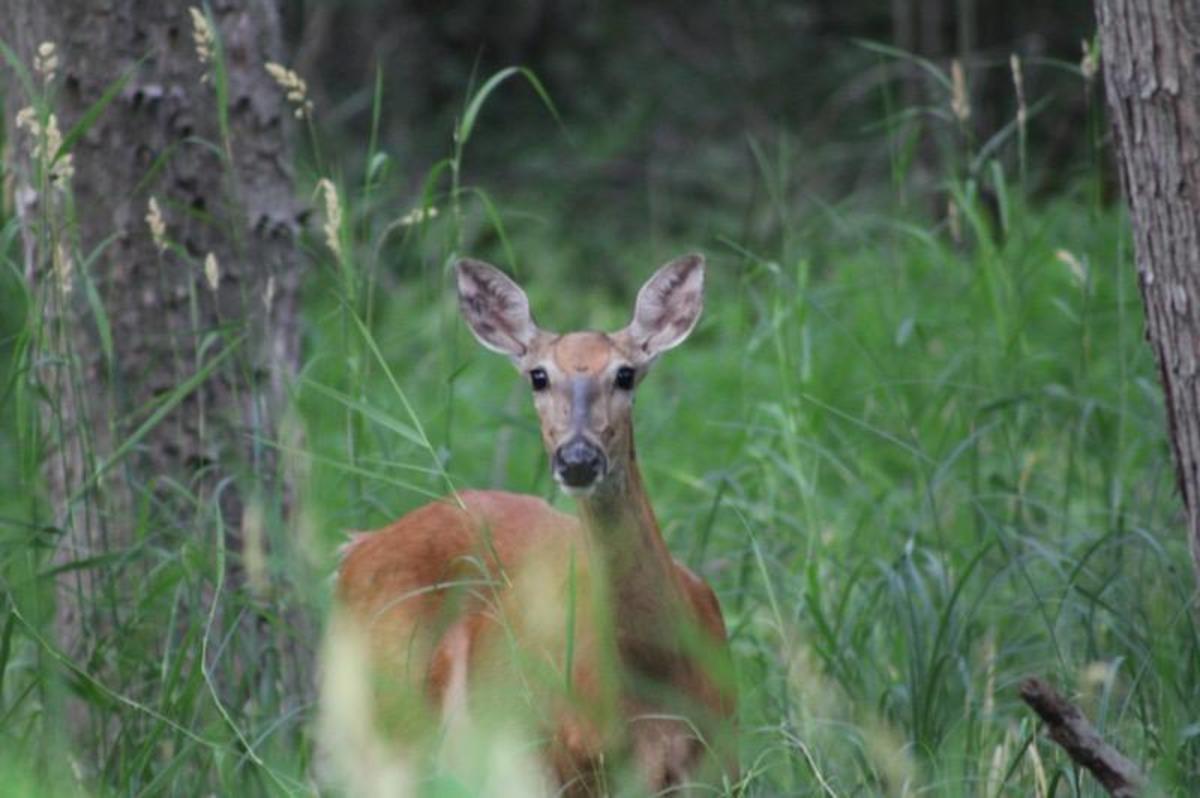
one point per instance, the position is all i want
(495, 308)
(668, 306)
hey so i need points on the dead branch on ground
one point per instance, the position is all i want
(1069, 728)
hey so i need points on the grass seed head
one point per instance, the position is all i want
(203, 36)
(158, 226)
(333, 215)
(1089, 64)
(62, 167)
(27, 120)
(960, 103)
(45, 61)
(997, 766)
(212, 271)
(294, 87)
(418, 215)
(953, 221)
(64, 269)
(1074, 265)
(45, 142)
(254, 548)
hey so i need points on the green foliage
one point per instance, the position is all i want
(918, 459)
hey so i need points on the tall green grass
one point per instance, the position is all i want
(916, 465)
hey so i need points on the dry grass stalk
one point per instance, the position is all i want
(1014, 62)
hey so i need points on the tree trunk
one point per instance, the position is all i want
(157, 407)
(1150, 52)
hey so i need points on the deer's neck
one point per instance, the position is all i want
(638, 567)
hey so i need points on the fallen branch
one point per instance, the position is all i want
(1069, 728)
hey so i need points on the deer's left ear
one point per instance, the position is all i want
(668, 306)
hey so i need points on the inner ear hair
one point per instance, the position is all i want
(668, 306)
(495, 308)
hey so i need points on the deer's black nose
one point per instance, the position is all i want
(578, 463)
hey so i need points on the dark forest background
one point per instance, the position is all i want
(671, 107)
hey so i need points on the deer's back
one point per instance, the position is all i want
(406, 583)
(406, 567)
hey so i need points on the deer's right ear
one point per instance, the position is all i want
(495, 308)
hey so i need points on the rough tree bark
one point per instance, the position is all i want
(1151, 53)
(228, 195)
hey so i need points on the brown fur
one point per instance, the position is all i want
(582, 352)
(466, 602)
(398, 582)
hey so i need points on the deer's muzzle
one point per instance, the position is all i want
(578, 463)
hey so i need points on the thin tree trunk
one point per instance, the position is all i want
(117, 469)
(1150, 50)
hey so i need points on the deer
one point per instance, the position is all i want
(461, 599)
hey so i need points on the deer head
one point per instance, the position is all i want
(583, 382)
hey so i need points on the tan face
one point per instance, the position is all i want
(583, 382)
(582, 387)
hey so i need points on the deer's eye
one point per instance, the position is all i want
(538, 379)
(625, 376)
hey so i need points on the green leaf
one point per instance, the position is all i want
(103, 327)
(381, 418)
(85, 123)
(172, 399)
(23, 75)
(463, 133)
